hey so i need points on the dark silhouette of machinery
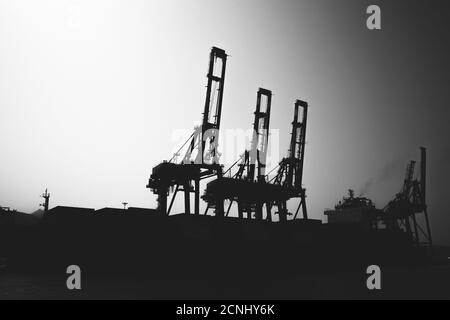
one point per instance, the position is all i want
(404, 211)
(46, 197)
(249, 188)
(255, 158)
(201, 159)
(252, 195)
(290, 172)
(244, 187)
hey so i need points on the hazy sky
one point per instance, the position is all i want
(92, 91)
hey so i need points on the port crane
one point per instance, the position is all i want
(404, 210)
(251, 194)
(290, 171)
(250, 188)
(243, 187)
(201, 157)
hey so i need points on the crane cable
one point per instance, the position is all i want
(178, 152)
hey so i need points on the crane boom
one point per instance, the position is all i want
(207, 135)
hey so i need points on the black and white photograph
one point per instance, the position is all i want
(230, 157)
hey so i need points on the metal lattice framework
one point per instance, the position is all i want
(403, 212)
(250, 194)
(290, 172)
(241, 187)
(201, 158)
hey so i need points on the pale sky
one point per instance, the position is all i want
(91, 93)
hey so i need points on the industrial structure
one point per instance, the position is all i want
(201, 159)
(290, 172)
(406, 213)
(244, 186)
(251, 194)
(408, 210)
(217, 255)
(46, 197)
(249, 188)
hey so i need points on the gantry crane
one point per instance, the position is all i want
(251, 195)
(290, 171)
(249, 187)
(201, 159)
(402, 212)
(243, 186)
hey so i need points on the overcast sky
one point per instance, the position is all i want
(91, 93)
